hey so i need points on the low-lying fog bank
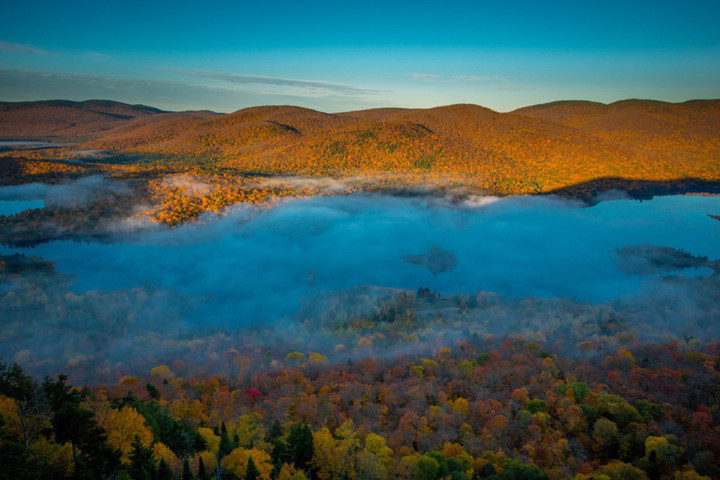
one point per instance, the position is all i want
(253, 266)
(250, 258)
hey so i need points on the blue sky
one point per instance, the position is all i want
(338, 56)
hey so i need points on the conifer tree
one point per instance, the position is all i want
(202, 472)
(226, 445)
(300, 444)
(164, 472)
(251, 473)
(186, 472)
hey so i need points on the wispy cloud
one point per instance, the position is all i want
(487, 82)
(474, 78)
(424, 77)
(10, 47)
(19, 85)
(312, 87)
(22, 85)
(509, 86)
(98, 56)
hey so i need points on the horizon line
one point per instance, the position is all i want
(364, 109)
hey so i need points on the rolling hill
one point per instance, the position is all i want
(534, 149)
(684, 134)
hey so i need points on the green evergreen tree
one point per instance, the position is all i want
(275, 432)
(151, 473)
(226, 445)
(280, 453)
(186, 472)
(164, 472)
(73, 423)
(301, 445)
(153, 391)
(202, 472)
(279, 456)
(251, 473)
(141, 462)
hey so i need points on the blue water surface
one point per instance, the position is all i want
(254, 264)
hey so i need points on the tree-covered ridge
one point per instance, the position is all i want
(501, 153)
(541, 149)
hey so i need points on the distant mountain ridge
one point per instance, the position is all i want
(66, 118)
(533, 149)
(649, 116)
(99, 106)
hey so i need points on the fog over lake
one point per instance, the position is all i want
(252, 264)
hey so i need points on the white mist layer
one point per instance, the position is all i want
(252, 264)
(66, 193)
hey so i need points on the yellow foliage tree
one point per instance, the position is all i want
(237, 460)
(690, 475)
(318, 358)
(460, 405)
(57, 458)
(374, 460)
(333, 455)
(122, 426)
(653, 443)
(8, 411)
(623, 471)
(376, 445)
(211, 440)
(289, 472)
(162, 452)
(325, 455)
(295, 356)
(163, 372)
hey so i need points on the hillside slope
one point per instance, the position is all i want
(686, 134)
(536, 149)
(541, 148)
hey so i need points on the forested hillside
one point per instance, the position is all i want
(476, 410)
(532, 150)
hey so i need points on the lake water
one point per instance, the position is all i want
(7, 145)
(257, 264)
(22, 143)
(12, 207)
